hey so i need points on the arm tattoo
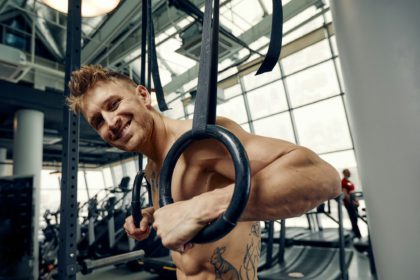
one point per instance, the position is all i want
(223, 268)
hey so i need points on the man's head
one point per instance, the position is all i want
(118, 109)
(86, 78)
(346, 173)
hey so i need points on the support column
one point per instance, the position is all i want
(378, 42)
(27, 160)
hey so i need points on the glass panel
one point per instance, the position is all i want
(233, 109)
(246, 127)
(251, 81)
(190, 108)
(277, 126)
(267, 100)
(175, 111)
(95, 180)
(313, 84)
(50, 192)
(323, 126)
(131, 170)
(118, 173)
(306, 57)
(232, 91)
(304, 29)
(340, 73)
(334, 45)
(107, 177)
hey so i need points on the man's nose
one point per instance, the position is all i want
(113, 122)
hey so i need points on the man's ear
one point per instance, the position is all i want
(144, 95)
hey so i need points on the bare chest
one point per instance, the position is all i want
(189, 180)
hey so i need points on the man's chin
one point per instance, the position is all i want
(125, 147)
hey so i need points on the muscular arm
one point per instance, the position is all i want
(287, 180)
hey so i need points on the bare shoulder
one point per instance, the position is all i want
(256, 142)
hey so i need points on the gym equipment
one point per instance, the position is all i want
(316, 235)
(364, 244)
(16, 220)
(48, 247)
(311, 262)
(269, 250)
(87, 266)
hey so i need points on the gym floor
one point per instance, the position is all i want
(359, 270)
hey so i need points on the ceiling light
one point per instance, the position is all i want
(90, 8)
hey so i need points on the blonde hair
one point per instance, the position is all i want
(85, 79)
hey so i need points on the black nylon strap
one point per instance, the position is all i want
(273, 53)
(143, 43)
(154, 67)
(206, 98)
(149, 47)
(148, 37)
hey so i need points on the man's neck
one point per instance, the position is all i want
(164, 134)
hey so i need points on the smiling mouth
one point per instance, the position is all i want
(124, 131)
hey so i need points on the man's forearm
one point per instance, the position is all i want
(283, 189)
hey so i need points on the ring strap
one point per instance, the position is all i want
(273, 53)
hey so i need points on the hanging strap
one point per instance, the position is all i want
(206, 98)
(154, 63)
(148, 37)
(273, 53)
(143, 43)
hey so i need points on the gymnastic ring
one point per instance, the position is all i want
(135, 199)
(227, 221)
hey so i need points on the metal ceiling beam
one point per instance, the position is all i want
(262, 28)
(164, 17)
(116, 23)
(26, 97)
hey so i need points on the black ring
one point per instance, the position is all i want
(225, 223)
(135, 199)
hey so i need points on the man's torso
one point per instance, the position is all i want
(235, 256)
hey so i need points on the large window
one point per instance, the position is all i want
(277, 126)
(267, 100)
(323, 126)
(313, 84)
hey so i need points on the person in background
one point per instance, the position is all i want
(350, 202)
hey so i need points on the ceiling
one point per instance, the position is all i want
(112, 40)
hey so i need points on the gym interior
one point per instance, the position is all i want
(344, 85)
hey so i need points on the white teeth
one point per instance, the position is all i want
(124, 130)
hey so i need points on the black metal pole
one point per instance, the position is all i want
(67, 264)
(270, 241)
(342, 256)
(282, 241)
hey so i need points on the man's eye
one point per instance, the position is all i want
(98, 123)
(114, 105)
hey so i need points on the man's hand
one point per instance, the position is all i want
(176, 224)
(143, 231)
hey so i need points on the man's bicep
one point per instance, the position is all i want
(261, 152)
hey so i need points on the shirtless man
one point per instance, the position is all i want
(286, 180)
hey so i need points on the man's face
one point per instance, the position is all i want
(119, 113)
(346, 173)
